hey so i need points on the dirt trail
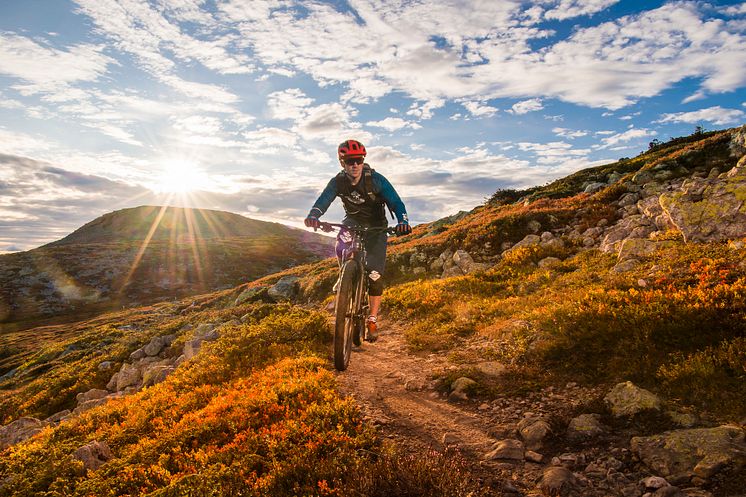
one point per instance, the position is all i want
(396, 392)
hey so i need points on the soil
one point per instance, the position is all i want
(398, 392)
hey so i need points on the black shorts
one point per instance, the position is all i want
(375, 247)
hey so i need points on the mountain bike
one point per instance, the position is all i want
(351, 306)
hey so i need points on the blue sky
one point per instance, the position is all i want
(239, 105)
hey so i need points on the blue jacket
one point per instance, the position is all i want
(359, 205)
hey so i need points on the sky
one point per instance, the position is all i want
(239, 105)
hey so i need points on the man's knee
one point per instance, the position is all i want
(375, 284)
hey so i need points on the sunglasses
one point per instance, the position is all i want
(353, 160)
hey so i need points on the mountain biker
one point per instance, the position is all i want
(364, 193)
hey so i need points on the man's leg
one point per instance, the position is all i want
(376, 247)
(375, 305)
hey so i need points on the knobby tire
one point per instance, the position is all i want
(344, 321)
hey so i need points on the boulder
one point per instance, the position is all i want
(112, 385)
(154, 346)
(507, 449)
(460, 388)
(594, 187)
(287, 288)
(93, 455)
(627, 399)
(203, 329)
(19, 430)
(558, 481)
(88, 405)
(534, 226)
(625, 266)
(584, 427)
(717, 214)
(451, 272)
(527, 241)
(156, 374)
(92, 394)
(549, 262)
(252, 295)
(702, 452)
(58, 417)
(137, 355)
(105, 365)
(129, 375)
(533, 431)
(553, 244)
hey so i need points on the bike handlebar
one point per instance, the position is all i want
(328, 227)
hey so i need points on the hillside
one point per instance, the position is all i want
(146, 254)
(587, 337)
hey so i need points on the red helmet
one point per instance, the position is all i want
(351, 148)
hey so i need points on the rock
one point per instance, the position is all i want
(533, 431)
(652, 483)
(192, 348)
(534, 226)
(58, 417)
(553, 244)
(700, 451)
(628, 199)
(203, 329)
(287, 288)
(154, 347)
(594, 187)
(419, 270)
(507, 449)
(105, 366)
(532, 456)
(92, 394)
(252, 295)
(584, 427)
(137, 355)
(156, 374)
(491, 368)
(461, 387)
(112, 385)
(549, 262)
(19, 430)
(451, 272)
(558, 481)
(635, 248)
(626, 399)
(527, 241)
(88, 405)
(462, 259)
(93, 455)
(625, 266)
(128, 376)
(683, 419)
(669, 491)
(718, 214)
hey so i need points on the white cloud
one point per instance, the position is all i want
(568, 133)
(393, 123)
(715, 115)
(526, 106)
(629, 135)
(479, 110)
(288, 104)
(735, 9)
(567, 9)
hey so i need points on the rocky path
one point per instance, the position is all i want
(513, 445)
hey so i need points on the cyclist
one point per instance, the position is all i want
(364, 193)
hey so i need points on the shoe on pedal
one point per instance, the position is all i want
(372, 325)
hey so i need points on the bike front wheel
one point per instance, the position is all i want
(344, 321)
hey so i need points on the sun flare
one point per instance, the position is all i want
(180, 176)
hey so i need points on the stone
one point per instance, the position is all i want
(558, 481)
(654, 483)
(58, 417)
(105, 366)
(461, 387)
(19, 430)
(584, 427)
(156, 374)
(462, 259)
(702, 452)
(154, 346)
(534, 226)
(287, 288)
(192, 348)
(507, 449)
(88, 405)
(625, 266)
(251, 295)
(627, 399)
(112, 385)
(137, 355)
(93, 455)
(532, 456)
(683, 419)
(128, 376)
(553, 244)
(533, 431)
(549, 262)
(527, 241)
(451, 272)
(594, 187)
(491, 368)
(92, 394)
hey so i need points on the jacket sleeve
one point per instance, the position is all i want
(392, 199)
(325, 199)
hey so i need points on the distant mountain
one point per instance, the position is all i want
(146, 254)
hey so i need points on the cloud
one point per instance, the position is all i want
(568, 133)
(526, 106)
(715, 115)
(567, 9)
(393, 123)
(478, 110)
(629, 135)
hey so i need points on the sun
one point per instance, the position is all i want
(180, 176)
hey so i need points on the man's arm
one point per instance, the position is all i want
(325, 199)
(392, 199)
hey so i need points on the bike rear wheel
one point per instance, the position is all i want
(344, 321)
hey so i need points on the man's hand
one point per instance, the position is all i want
(403, 229)
(312, 222)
